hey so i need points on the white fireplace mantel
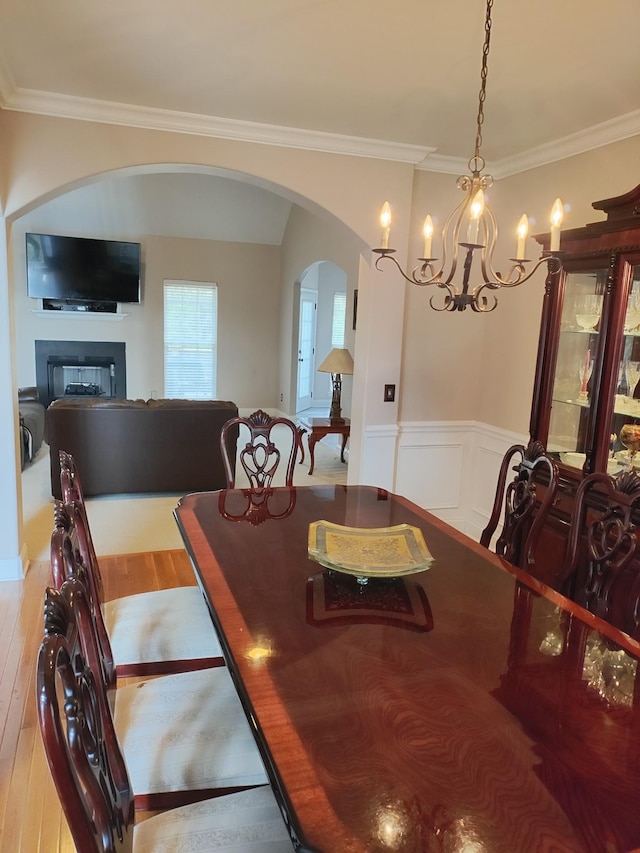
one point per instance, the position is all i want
(79, 315)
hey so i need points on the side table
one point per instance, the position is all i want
(317, 428)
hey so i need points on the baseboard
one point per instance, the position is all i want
(14, 568)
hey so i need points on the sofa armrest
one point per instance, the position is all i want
(28, 394)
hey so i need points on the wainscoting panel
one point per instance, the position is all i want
(432, 476)
(490, 446)
(451, 469)
(378, 456)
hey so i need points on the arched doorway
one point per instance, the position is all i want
(322, 325)
(125, 205)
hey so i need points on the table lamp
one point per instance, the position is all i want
(338, 362)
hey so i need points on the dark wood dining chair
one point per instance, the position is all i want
(185, 736)
(260, 457)
(523, 503)
(256, 507)
(90, 773)
(603, 554)
(151, 633)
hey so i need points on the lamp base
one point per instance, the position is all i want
(335, 414)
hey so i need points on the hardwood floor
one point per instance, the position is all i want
(31, 819)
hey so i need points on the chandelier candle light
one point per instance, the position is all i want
(474, 214)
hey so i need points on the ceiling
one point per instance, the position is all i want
(199, 206)
(394, 80)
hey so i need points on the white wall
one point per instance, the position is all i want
(12, 551)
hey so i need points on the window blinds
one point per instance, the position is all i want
(190, 340)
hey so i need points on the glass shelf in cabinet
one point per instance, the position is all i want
(582, 404)
(629, 410)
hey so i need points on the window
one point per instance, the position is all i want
(190, 340)
(339, 319)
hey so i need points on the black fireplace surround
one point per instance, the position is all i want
(80, 369)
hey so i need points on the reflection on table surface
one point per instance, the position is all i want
(483, 726)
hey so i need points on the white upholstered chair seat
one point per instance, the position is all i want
(162, 625)
(186, 732)
(246, 822)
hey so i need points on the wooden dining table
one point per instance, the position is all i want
(466, 707)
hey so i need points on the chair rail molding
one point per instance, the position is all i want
(451, 468)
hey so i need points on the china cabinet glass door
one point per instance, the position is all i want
(578, 348)
(625, 421)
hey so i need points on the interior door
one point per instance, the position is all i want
(306, 348)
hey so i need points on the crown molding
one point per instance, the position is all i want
(107, 112)
(423, 157)
(444, 164)
(615, 130)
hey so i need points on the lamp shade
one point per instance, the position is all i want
(338, 361)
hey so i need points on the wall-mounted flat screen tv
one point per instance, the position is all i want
(78, 268)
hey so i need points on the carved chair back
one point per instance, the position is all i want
(522, 503)
(78, 734)
(603, 552)
(256, 507)
(70, 478)
(260, 456)
(68, 563)
(73, 494)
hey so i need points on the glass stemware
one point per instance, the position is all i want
(589, 309)
(633, 375)
(632, 318)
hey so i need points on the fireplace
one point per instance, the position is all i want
(80, 369)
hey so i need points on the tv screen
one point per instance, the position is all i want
(78, 268)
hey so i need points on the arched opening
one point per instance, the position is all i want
(185, 216)
(322, 326)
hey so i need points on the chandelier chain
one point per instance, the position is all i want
(477, 159)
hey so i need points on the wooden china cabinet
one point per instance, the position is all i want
(587, 384)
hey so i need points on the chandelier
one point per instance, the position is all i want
(472, 227)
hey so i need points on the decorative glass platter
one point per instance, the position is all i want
(376, 552)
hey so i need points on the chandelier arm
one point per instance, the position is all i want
(482, 305)
(553, 261)
(412, 279)
(458, 214)
(424, 275)
(491, 236)
(447, 306)
(517, 271)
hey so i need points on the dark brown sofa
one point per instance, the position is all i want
(138, 446)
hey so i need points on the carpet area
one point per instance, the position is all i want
(130, 524)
